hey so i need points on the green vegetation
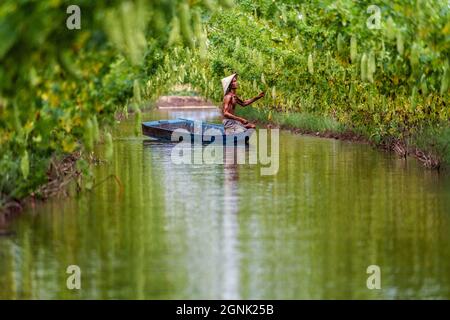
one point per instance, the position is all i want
(60, 88)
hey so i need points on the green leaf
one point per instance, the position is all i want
(8, 34)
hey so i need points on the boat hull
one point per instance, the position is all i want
(178, 130)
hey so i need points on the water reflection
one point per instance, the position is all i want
(230, 224)
(201, 206)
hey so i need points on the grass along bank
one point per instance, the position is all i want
(429, 145)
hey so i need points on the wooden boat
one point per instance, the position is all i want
(178, 130)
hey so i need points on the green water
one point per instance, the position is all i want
(225, 231)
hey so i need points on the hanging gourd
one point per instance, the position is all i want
(175, 33)
(95, 129)
(310, 64)
(423, 85)
(25, 164)
(413, 98)
(351, 93)
(353, 49)
(445, 79)
(364, 68)
(137, 92)
(89, 135)
(371, 66)
(414, 56)
(263, 79)
(390, 29)
(137, 123)
(185, 24)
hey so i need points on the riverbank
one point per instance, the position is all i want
(430, 146)
(61, 173)
(66, 175)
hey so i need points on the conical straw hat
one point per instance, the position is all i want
(226, 82)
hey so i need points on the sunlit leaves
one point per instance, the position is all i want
(227, 3)
(69, 145)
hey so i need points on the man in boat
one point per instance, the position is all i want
(231, 122)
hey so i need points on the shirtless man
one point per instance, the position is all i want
(231, 122)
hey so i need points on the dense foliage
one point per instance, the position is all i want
(320, 56)
(59, 86)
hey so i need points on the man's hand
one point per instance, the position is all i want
(244, 121)
(262, 94)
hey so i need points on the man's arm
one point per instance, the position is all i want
(227, 111)
(250, 101)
